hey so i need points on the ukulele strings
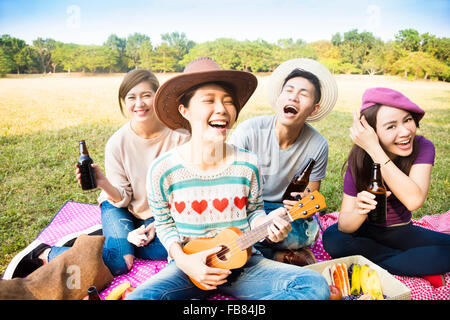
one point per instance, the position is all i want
(234, 248)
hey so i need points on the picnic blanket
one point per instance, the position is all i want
(76, 217)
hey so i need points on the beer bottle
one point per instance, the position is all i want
(377, 188)
(300, 180)
(88, 180)
(93, 293)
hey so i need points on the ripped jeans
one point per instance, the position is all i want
(117, 223)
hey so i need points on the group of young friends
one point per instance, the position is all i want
(172, 174)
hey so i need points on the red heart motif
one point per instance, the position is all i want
(199, 207)
(220, 204)
(180, 206)
(240, 202)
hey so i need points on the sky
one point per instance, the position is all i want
(92, 21)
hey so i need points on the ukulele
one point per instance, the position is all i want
(236, 245)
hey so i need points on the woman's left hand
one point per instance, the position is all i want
(279, 228)
(363, 134)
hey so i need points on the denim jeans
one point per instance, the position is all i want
(259, 279)
(116, 224)
(303, 234)
(406, 250)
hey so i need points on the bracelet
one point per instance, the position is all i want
(386, 162)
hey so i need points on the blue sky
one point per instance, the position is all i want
(91, 22)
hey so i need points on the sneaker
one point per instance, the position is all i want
(69, 240)
(26, 261)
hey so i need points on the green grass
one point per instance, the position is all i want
(38, 151)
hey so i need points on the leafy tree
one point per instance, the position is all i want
(43, 48)
(374, 61)
(6, 63)
(11, 47)
(164, 59)
(356, 46)
(336, 39)
(288, 49)
(180, 46)
(328, 54)
(409, 39)
(118, 47)
(222, 50)
(421, 64)
(146, 55)
(134, 42)
(258, 56)
(26, 60)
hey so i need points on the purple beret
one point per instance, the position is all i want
(390, 98)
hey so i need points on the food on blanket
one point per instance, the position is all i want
(355, 288)
(375, 285)
(370, 283)
(126, 292)
(364, 276)
(339, 277)
(365, 283)
(335, 293)
(117, 292)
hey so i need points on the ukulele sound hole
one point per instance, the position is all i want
(222, 254)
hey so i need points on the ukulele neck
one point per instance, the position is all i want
(304, 208)
(251, 237)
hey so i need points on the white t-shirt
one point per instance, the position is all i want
(278, 166)
(127, 159)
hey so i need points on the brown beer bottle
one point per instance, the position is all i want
(88, 180)
(93, 293)
(300, 180)
(377, 188)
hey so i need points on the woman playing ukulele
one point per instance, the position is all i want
(198, 189)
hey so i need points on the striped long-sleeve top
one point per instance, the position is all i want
(188, 203)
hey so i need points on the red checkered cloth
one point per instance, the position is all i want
(420, 288)
(75, 217)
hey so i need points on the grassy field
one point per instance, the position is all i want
(42, 119)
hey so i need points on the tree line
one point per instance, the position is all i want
(411, 54)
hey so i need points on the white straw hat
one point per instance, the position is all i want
(328, 85)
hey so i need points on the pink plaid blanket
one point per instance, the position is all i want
(75, 217)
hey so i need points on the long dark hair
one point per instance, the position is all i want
(361, 162)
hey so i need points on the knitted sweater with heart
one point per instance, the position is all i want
(189, 203)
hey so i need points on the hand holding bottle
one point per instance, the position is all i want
(365, 202)
(87, 174)
(99, 176)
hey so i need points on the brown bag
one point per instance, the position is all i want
(67, 277)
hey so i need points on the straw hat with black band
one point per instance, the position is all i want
(328, 85)
(199, 71)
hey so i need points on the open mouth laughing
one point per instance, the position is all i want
(220, 125)
(404, 144)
